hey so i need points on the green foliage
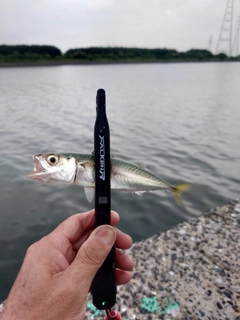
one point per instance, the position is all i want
(43, 53)
(138, 54)
(221, 56)
(121, 54)
(24, 53)
(199, 54)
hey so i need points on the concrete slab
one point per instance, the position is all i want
(191, 271)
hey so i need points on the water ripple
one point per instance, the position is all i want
(180, 120)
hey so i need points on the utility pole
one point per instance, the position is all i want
(224, 44)
(235, 46)
(210, 43)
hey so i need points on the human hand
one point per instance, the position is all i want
(58, 270)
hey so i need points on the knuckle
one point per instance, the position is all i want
(92, 255)
(31, 250)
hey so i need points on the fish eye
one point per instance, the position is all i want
(52, 159)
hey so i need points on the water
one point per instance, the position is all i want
(180, 120)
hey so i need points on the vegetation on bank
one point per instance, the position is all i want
(25, 53)
(138, 54)
(50, 54)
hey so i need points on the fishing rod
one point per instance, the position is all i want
(103, 286)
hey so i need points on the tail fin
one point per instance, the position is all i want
(177, 191)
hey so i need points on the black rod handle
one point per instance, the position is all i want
(103, 286)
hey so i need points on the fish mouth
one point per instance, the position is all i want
(39, 172)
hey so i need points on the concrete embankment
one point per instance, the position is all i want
(191, 271)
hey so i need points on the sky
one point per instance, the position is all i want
(173, 24)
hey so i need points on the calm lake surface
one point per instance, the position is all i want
(180, 119)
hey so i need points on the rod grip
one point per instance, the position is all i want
(103, 286)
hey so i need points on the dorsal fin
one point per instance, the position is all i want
(142, 166)
(93, 153)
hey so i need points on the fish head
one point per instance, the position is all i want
(53, 169)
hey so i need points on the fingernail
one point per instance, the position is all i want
(107, 234)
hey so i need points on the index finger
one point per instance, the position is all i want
(75, 226)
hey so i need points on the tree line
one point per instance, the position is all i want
(21, 53)
(46, 53)
(138, 54)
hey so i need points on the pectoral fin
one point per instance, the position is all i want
(89, 193)
(139, 193)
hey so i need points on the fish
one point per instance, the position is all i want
(74, 168)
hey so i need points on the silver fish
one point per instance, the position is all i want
(72, 168)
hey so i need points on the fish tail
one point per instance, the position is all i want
(177, 191)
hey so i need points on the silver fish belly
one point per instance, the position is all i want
(70, 168)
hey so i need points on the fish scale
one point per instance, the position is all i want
(73, 168)
(137, 177)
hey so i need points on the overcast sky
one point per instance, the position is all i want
(176, 24)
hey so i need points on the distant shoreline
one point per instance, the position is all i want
(44, 55)
(77, 62)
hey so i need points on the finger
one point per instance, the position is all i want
(123, 241)
(122, 277)
(77, 225)
(114, 220)
(123, 261)
(90, 257)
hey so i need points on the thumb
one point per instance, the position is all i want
(91, 256)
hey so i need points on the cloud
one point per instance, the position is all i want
(169, 12)
(179, 24)
(93, 4)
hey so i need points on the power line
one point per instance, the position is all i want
(224, 44)
(210, 43)
(235, 45)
